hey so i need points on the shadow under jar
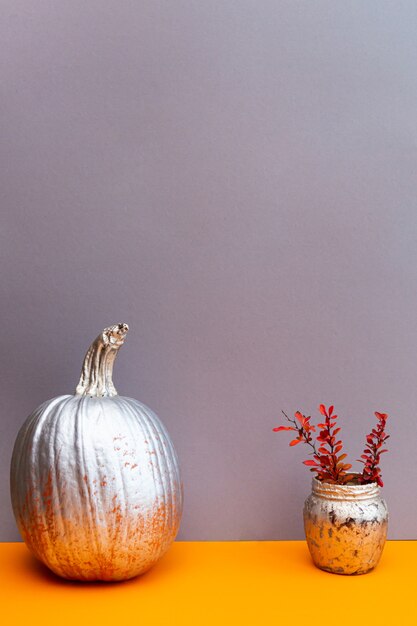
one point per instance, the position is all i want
(345, 526)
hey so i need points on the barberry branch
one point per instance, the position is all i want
(372, 452)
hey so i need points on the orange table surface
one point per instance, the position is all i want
(257, 583)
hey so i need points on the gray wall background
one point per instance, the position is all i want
(236, 180)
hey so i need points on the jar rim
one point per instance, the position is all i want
(349, 491)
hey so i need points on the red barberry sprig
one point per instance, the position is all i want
(372, 452)
(303, 429)
(326, 463)
(332, 467)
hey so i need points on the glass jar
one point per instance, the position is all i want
(345, 526)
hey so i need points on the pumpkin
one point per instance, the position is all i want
(95, 483)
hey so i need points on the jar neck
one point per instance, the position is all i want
(329, 491)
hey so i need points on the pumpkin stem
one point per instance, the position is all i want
(96, 374)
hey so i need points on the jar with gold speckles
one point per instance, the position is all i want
(345, 526)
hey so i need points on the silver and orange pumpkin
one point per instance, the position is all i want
(95, 483)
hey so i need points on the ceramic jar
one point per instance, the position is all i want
(345, 526)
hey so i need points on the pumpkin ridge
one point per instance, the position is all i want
(162, 464)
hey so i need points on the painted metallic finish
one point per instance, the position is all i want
(95, 482)
(345, 526)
